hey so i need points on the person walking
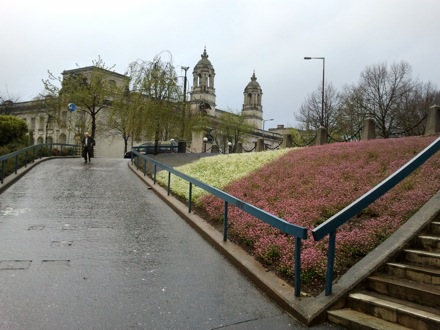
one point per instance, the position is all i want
(87, 144)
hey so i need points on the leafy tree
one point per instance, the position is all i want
(51, 106)
(90, 89)
(155, 83)
(12, 129)
(124, 115)
(230, 127)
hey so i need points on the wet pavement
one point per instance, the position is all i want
(89, 246)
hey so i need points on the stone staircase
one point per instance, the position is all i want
(404, 294)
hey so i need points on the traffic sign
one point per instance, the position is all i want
(72, 107)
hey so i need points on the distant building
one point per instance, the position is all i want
(203, 98)
(63, 126)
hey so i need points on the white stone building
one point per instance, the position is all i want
(68, 127)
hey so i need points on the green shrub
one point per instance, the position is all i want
(12, 130)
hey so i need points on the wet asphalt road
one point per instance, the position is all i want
(88, 246)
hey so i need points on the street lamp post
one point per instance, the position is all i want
(182, 133)
(323, 75)
(265, 121)
(230, 147)
(205, 140)
(185, 68)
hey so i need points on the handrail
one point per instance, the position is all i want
(330, 226)
(297, 231)
(26, 151)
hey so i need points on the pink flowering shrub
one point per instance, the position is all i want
(307, 186)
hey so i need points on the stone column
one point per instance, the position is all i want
(369, 129)
(287, 141)
(260, 145)
(197, 141)
(181, 146)
(239, 148)
(322, 136)
(433, 120)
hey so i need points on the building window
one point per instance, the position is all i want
(41, 123)
(50, 122)
(63, 119)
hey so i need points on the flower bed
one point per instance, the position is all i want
(306, 187)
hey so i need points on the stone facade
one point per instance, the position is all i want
(64, 126)
(203, 99)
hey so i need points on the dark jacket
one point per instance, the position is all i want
(88, 146)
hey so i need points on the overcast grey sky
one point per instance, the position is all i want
(270, 37)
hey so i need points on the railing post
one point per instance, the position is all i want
(225, 222)
(3, 169)
(297, 267)
(16, 164)
(190, 197)
(330, 263)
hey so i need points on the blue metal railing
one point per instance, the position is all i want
(30, 153)
(297, 231)
(330, 226)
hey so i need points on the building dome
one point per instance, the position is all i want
(253, 84)
(203, 90)
(204, 63)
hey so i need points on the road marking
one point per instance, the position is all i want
(12, 211)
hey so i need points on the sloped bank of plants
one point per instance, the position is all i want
(306, 187)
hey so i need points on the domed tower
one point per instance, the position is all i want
(252, 108)
(203, 91)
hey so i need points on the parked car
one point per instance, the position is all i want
(148, 148)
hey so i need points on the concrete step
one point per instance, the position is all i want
(430, 242)
(435, 228)
(420, 257)
(419, 293)
(352, 319)
(421, 274)
(404, 313)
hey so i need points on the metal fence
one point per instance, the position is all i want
(298, 232)
(330, 226)
(10, 163)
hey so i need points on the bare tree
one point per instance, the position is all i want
(381, 92)
(311, 114)
(7, 103)
(414, 109)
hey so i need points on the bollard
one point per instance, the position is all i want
(369, 129)
(287, 141)
(321, 137)
(433, 120)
